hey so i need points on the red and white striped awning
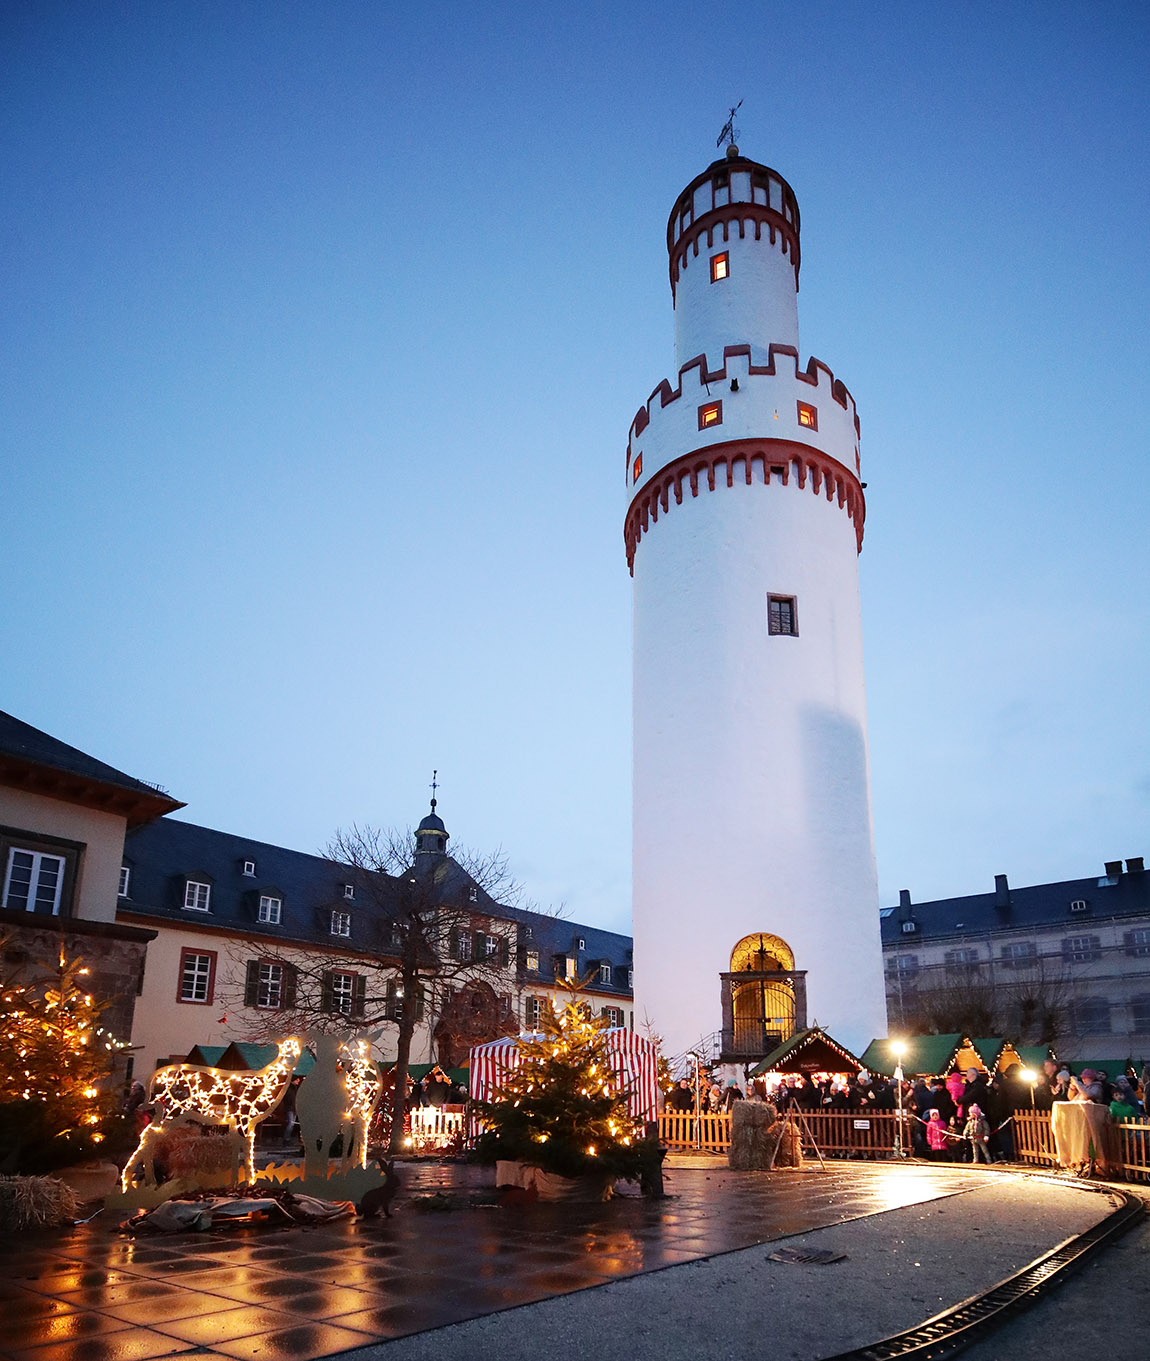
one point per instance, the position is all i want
(632, 1058)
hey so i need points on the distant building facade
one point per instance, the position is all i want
(1066, 964)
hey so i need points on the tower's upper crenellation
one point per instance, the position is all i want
(733, 243)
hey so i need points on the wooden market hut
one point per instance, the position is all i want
(808, 1051)
(926, 1056)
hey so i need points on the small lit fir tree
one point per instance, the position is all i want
(55, 1065)
(562, 1109)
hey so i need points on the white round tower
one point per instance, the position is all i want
(755, 895)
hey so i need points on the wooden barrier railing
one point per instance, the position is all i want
(682, 1133)
(872, 1135)
(1033, 1141)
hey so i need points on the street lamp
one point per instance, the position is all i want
(1029, 1076)
(898, 1049)
(698, 1130)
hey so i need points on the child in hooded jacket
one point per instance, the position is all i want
(936, 1137)
(977, 1130)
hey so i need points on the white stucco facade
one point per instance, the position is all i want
(751, 786)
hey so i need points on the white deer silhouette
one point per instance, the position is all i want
(239, 1100)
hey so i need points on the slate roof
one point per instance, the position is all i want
(1037, 906)
(165, 854)
(556, 939)
(27, 755)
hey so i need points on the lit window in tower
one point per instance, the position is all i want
(782, 617)
(710, 414)
(808, 416)
(720, 266)
(637, 470)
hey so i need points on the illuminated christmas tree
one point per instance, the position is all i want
(563, 1108)
(55, 1065)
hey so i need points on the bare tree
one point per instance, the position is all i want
(1029, 1006)
(441, 941)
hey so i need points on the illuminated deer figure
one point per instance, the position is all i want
(364, 1087)
(239, 1100)
(337, 1099)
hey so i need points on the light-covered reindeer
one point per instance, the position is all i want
(183, 1092)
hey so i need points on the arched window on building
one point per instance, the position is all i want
(763, 1006)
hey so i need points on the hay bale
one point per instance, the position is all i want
(751, 1142)
(35, 1203)
(785, 1133)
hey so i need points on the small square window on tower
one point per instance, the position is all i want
(808, 416)
(637, 469)
(720, 266)
(782, 617)
(710, 413)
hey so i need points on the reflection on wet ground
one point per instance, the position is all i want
(297, 1293)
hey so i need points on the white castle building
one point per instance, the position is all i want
(755, 894)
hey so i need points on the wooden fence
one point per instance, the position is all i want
(852, 1134)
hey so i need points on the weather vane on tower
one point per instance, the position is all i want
(730, 132)
(434, 787)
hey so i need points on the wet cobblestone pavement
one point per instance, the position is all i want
(291, 1294)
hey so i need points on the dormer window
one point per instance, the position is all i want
(630, 978)
(533, 960)
(909, 928)
(270, 910)
(604, 973)
(125, 880)
(720, 266)
(250, 868)
(349, 890)
(472, 895)
(341, 924)
(582, 943)
(197, 896)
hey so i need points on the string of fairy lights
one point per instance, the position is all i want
(55, 1051)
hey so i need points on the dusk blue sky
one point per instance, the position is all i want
(324, 324)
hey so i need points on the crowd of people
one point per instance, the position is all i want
(962, 1117)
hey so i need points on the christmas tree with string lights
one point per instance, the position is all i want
(55, 1065)
(563, 1109)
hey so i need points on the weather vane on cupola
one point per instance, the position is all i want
(730, 133)
(434, 787)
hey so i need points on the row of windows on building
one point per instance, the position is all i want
(270, 985)
(1016, 954)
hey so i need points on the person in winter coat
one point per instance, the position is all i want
(977, 1130)
(954, 1087)
(936, 1138)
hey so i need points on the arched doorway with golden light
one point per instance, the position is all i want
(763, 996)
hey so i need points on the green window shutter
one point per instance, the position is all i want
(287, 997)
(327, 999)
(359, 1000)
(252, 983)
(479, 947)
(504, 952)
(453, 944)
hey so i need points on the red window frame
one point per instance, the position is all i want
(710, 413)
(191, 1001)
(720, 262)
(808, 416)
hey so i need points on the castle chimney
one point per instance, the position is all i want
(1001, 893)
